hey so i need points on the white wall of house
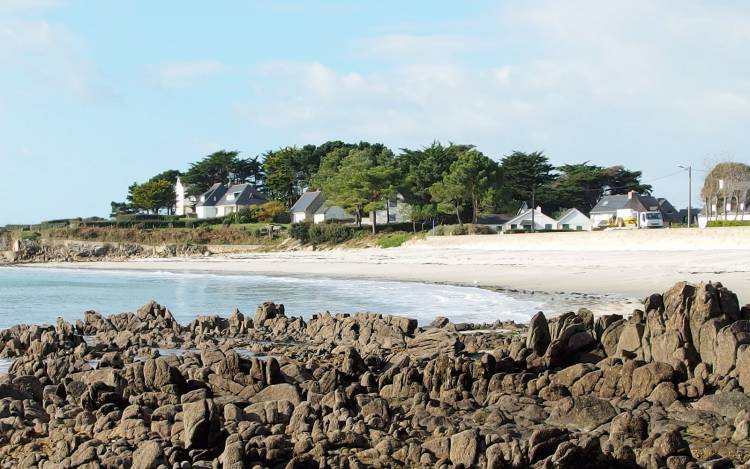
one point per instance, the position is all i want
(523, 221)
(575, 220)
(299, 217)
(332, 213)
(398, 212)
(206, 212)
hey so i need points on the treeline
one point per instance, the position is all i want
(454, 180)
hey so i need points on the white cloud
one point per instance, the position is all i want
(640, 65)
(177, 74)
(420, 47)
(45, 53)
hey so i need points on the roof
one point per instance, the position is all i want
(218, 194)
(570, 213)
(610, 203)
(638, 202)
(538, 217)
(308, 201)
(493, 219)
(247, 194)
(212, 195)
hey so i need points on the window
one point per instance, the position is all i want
(547, 226)
(566, 226)
(393, 203)
(391, 218)
(579, 228)
(513, 226)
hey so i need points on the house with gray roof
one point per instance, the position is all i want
(305, 207)
(612, 210)
(221, 200)
(312, 207)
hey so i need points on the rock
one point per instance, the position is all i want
(464, 447)
(727, 404)
(199, 423)
(278, 392)
(148, 455)
(538, 337)
(583, 413)
(433, 342)
(267, 311)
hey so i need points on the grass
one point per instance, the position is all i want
(393, 240)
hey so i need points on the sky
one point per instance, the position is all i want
(95, 95)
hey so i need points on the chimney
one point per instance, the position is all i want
(538, 209)
(630, 195)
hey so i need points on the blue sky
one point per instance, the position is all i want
(96, 95)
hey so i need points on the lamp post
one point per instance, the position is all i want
(689, 169)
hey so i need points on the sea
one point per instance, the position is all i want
(39, 295)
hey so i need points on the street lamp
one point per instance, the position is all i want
(689, 169)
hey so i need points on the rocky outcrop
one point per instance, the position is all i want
(665, 387)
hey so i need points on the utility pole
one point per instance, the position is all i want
(689, 169)
(533, 208)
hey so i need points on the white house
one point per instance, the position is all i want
(524, 219)
(396, 211)
(305, 207)
(221, 200)
(575, 220)
(333, 212)
(185, 205)
(312, 207)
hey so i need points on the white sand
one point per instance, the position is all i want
(631, 264)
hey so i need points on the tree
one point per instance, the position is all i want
(527, 174)
(582, 185)
(360, 180)
(280, 168)
(273, 211)
(170, 175)
(728, 183)
(472, 179)
(222, 167)
(152, 195)
(449, 195)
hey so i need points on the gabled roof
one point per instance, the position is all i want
(569, 214)
(217, 195)
(308, 201)
(212, 195)
(538, 217)
(493, 218)
(612, 203)
(247, 194)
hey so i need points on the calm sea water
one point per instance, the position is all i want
(40, 295)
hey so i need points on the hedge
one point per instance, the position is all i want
(726, 223)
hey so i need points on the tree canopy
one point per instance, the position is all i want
(437, 181)
(223, 167)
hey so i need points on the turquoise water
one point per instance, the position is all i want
(40, 295)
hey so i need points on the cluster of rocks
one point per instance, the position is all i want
(665, 387)
(33, 251)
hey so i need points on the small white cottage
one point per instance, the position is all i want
(523, 221)
(574, 220)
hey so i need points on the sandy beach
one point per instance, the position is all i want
(622, 264)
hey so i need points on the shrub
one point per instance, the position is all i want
(299, 231)
(273, 211)
(309, 233)
(726, 223)
(479, 229)
(394, 240)
(248, 214)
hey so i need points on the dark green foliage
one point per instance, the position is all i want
(222, 167)
(727, 223)
(324, 233)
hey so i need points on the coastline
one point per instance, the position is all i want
(608, 271)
